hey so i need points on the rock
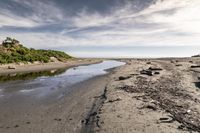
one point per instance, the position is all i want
(188, 111)
(58, 119)
(155, 69)
(157, 73)
(146, 72)
(190, 61)
(179, 65)
(11, 67)
(124, 78)
(148, 62)
(172, 61)
(16, 126)
(111, 101)
(181, 127)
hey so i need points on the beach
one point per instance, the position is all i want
(144, 95)
(152, 95)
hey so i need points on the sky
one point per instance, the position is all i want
(105, 28)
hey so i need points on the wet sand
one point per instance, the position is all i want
(63, 116)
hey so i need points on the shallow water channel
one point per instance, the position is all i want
(55, 83)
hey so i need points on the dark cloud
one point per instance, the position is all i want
(72, 7)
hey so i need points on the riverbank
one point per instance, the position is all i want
(35, 67)
(152, 95)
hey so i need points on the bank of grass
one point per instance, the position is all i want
(12, 52)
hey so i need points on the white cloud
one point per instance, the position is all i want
(9, 19)
(165, 23)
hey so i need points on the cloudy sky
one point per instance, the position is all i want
(105, 28)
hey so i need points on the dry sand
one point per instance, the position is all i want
(163, 103)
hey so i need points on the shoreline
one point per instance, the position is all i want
(27, 68)
(124, 100)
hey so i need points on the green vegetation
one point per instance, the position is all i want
(11, 51)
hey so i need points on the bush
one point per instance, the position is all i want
(19, 53)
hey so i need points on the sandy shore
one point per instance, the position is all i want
(125, 101)
(24, 68)
(166, 102)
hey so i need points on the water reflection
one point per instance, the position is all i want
(31, 75)
(50, 83)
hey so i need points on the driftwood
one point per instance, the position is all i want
(146, 72)
(164, 92)
(196, 66)
(124, 78)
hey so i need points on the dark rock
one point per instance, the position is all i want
(181, 127)
(83, 121)
(11, 67)
(146, 72)
(16, 126)
(179, 65)
(155, 69)
(124, 78)
(190, 61)
(148, 62)
(111, 101)
(57, 119)
(157, 73)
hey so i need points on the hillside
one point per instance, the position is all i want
(11, 51)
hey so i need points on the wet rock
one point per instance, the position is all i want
(146, 72)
